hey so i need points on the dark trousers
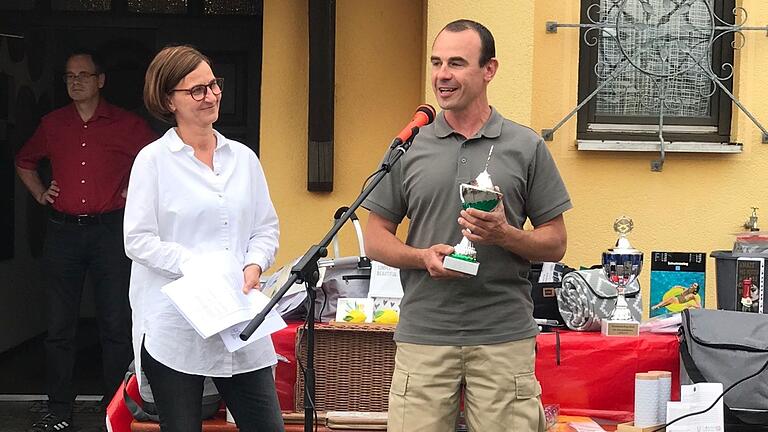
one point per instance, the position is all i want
(251, 397)
(72, 251)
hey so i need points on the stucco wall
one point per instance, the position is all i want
(378, 87)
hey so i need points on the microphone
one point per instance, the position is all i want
(425, 114)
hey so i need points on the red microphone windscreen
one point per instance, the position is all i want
(425, 114)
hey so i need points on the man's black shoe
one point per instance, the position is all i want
(51, 423)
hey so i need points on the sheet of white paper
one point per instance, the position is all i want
(385, 281)
(693, 398)
(547, 272)
(231, 336)
(210, 295)
(662, 324)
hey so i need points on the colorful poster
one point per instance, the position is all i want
(677, 281)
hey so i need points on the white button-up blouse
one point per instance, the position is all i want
(177, 208)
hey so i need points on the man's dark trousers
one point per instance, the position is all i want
(74, 248)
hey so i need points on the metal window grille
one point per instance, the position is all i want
(634, 93)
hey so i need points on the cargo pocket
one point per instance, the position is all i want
(397, 402)
(399, 382)
(527, 386)
(530, 413)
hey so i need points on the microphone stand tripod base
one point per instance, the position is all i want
(461, 263)
(614, 327)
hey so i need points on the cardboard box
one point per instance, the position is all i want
(630, 427)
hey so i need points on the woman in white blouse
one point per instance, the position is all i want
(193, 192)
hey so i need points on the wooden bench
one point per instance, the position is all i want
(217, 424)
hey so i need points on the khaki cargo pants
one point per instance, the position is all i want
(501, 393)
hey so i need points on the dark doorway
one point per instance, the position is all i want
(126, 34)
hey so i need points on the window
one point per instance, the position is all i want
(650, 56)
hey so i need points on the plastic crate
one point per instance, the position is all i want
(725, 275)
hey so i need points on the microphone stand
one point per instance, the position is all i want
(306, 271)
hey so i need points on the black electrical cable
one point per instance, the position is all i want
(662, 427)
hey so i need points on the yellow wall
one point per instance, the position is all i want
(378, 86)
(511, 23)
(694, 204)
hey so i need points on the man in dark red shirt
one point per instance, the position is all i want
(91, 146)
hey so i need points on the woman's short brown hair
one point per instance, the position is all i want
(167, 69)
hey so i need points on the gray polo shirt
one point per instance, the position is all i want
(495, 306)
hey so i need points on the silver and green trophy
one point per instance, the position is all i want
(621, 265)
(480, 194)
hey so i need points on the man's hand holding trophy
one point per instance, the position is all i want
(480, 194)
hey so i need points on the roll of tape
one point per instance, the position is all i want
(646, 399)
(665, 392)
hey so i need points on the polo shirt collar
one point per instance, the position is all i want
(491, 128)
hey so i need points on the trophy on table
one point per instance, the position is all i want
(480, 194)
(622, 265)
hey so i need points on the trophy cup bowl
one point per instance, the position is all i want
(482, 197)
(621, 265)
(477, 197)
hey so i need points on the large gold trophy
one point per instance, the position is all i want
(480, 194)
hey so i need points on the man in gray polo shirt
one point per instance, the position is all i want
(455, 330)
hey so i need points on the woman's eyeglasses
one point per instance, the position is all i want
(199, 92)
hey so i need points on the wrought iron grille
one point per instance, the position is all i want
(632, 93)
(655, 58)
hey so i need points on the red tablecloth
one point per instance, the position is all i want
(593, 376)
(285, 374)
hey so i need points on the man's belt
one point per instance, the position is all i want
(113, 217)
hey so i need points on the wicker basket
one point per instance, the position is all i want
(353, 367)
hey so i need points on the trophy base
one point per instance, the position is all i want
(609, 327)
(461, 265)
